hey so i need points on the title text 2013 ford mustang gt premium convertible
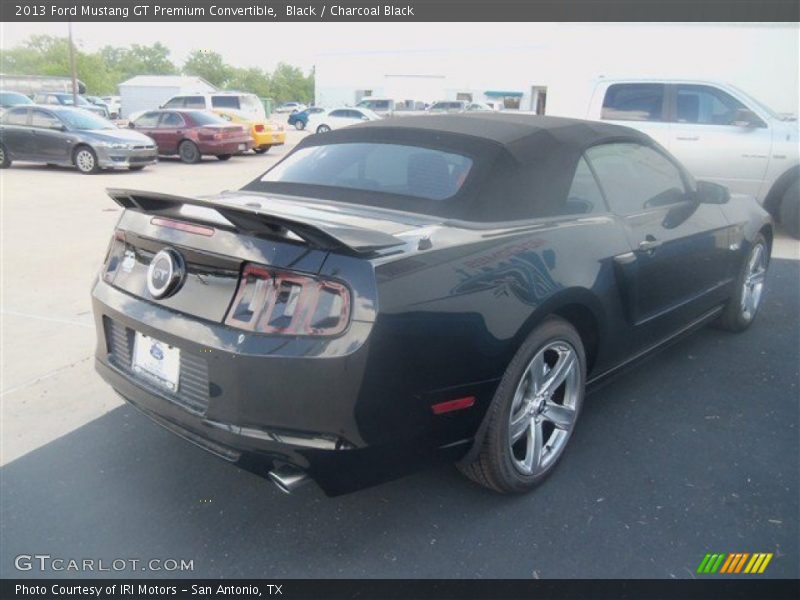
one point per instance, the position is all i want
(430, 286)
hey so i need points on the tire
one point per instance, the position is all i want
(224, 156)
(5, 161)
(189, 152)
(743, 306)
(323, 129)
(262, 149)
(299, 125)
(501, 465)
(136, 168)
(85, 159)
(790, 210)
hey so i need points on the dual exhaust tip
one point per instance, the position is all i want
(287, 478)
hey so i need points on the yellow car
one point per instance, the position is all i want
(265, 134)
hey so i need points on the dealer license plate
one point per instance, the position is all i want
(157, 361)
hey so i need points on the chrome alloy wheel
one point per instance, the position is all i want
(544, 408)
(85, 160)
(754, 281)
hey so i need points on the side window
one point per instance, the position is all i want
(195, 102)
(148, 119)
(706, 105)
(339, 113)
(171, 120)
(16, 117)
(636, 178)
(44, 120)
(225, 102)
(584, 195)
(176, 102)
(634, 102)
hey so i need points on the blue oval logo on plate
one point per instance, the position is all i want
(156, 352)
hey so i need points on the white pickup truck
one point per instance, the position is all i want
(717, 131)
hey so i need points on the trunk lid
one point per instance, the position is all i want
(216, 236)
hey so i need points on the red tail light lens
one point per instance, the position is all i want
(259, 128)
(281, 302)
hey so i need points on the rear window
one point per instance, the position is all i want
(388, 168)
(195, 102)
(205, 118)
(634, 102)
(225, 102)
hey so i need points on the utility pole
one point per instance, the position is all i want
(73, 68)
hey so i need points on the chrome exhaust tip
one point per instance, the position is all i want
(287, 478)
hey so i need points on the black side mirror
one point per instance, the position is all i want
(712, 193)
(131, 125)
(746, 118)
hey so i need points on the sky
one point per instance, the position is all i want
(264, 45)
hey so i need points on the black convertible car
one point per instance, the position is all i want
(419, 287)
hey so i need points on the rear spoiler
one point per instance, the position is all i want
(256, 220)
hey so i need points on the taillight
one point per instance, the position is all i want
(114, 256)
(259, 128)
(208, 134)
(281, 302)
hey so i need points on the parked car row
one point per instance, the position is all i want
(65, 135)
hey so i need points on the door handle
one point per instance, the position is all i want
(649, 244)
(688, 138)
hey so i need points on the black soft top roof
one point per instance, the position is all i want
(524, 136)
(523, 164)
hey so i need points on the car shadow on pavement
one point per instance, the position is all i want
(694, 451)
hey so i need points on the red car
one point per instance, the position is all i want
(192, 133)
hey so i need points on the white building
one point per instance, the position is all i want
(146, 92)
(552, 66)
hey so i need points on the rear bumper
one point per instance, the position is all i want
(226, 146)
(277, 138)
(259, 402)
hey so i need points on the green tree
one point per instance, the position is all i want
(209, 66)
(289, 83)
(138, 60)
(250, 80)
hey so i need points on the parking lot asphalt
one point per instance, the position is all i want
(694, 451)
